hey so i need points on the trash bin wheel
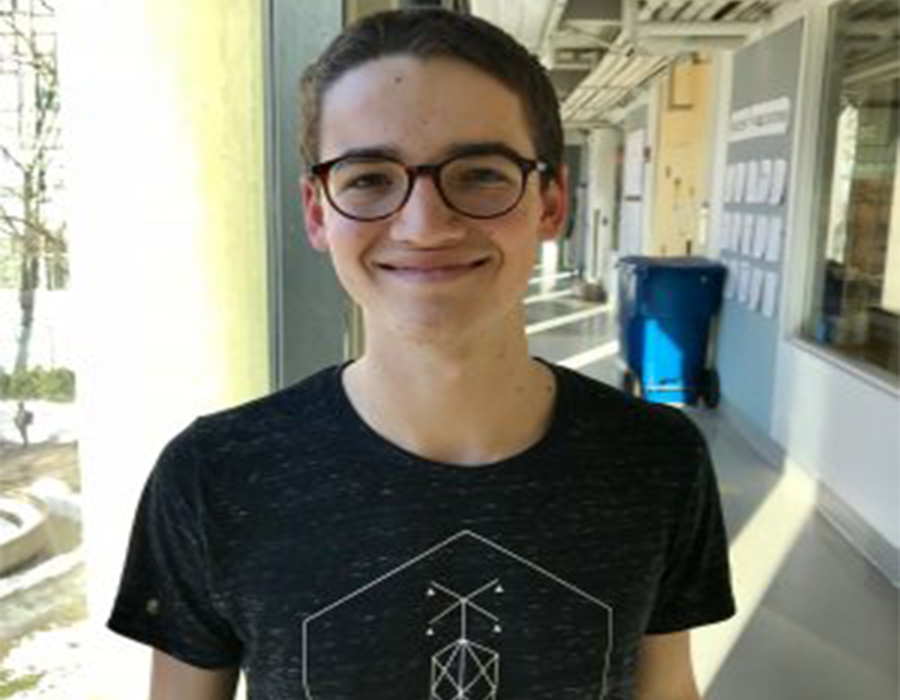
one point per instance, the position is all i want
(631, 384)
(709, 388)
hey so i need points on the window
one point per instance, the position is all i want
(854, 303)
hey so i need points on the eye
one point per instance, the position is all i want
(368, 181)
(366, 178)
(483, 175)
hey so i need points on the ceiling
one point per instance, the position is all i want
(600, 53)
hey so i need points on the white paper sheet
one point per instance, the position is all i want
(747, 234)
(744, 283)
(760, 236)
(756, 288)
(725, 231)
(761, 119)
(740, 177)
(750, 185)
(731, 278)
(764, 180)
(773, 242)
(770, 294)
(737, 224)
(779, 182)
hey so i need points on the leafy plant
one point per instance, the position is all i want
(37, 383)
(10, 685)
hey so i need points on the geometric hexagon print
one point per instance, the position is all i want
(465, 620)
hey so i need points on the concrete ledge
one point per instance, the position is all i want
(27, 521)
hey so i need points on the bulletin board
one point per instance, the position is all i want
(753, 232)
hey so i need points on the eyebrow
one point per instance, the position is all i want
(470, 148)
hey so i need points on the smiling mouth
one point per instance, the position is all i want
(432, 272)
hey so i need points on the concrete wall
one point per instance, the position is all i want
(163, 116)
(748, 340)
(602, 206)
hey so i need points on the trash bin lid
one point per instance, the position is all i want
(648, 261)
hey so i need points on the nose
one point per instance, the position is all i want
(425, 220)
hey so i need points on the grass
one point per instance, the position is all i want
(10, 685)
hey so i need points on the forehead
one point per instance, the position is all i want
(421, 108)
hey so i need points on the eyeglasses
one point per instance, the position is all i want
(481, 185)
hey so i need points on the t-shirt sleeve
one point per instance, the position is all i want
(165, 598)
(695, 588)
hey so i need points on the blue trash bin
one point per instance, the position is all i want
(666, 311)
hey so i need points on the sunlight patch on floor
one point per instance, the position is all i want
(757, 554)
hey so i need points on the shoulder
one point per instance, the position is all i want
(299, 407)
(652, 447)
(256, 431)
(600, 409)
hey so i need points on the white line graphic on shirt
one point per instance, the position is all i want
(464, 665)
(305, 671)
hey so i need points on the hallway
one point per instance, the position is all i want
(816, 621)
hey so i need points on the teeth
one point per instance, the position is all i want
(454, 266)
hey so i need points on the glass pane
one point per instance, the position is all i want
(854, 307)
(42, 602)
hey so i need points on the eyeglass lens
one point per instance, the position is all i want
(477, 185)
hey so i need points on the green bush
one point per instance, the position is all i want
(37, 383)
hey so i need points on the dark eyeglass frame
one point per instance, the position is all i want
(433, 170)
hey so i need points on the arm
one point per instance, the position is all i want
(664, 670)
(172, 679)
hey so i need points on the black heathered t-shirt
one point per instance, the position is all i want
(287, 537)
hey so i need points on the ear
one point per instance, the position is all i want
(313, 213)
(555, 204)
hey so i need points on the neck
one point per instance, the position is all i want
(468, 404)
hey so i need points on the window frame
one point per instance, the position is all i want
(808, 206)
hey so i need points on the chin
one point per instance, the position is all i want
(454, 328)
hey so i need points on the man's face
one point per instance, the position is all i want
(428, 272)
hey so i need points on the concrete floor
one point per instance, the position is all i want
(816, 621)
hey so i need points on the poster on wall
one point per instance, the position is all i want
(752, 175)
(764, 181)
(773, 242)
(740, 178)
(756, 289)
(770, 294)
(779, 182)
(768, 118)
(760, 236)
(743, 291)
(759, 127)
(730, 278)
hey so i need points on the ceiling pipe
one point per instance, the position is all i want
(545, 47)
(667, 29)
(629, 20)
(679, 45)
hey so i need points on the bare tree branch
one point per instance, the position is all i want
(8, 154)
(42, 60)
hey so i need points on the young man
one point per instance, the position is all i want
(445, 517)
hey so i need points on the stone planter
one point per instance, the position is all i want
(23, 532)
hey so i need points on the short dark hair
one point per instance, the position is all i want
(433, 33)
